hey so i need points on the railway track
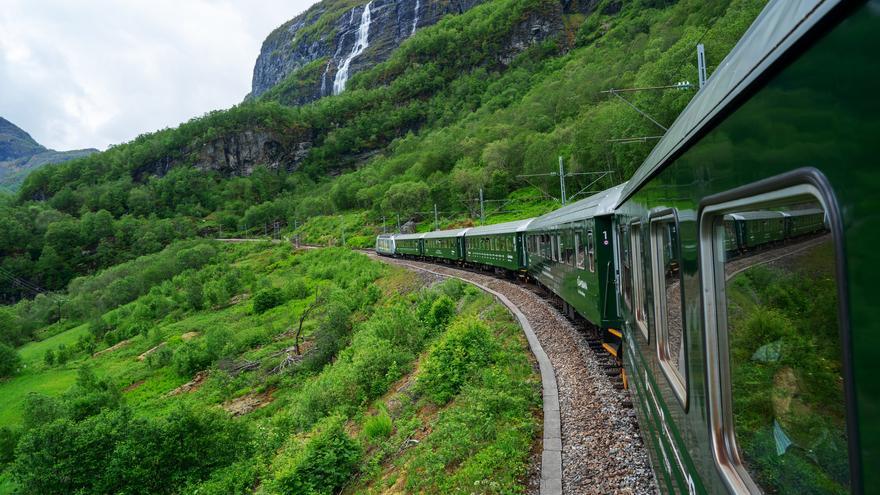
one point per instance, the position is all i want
(601, 446)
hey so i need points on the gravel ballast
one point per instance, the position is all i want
(602, 450)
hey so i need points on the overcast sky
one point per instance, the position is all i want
(89, 73)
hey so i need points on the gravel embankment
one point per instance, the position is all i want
(602, 450)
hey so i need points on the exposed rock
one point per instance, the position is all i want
(298, 43)
(537, 27)
(239, 154)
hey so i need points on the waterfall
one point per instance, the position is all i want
(415, 18)
(335, 55)
(360, 44)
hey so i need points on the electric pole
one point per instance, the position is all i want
(482, 211)
(436, 218)
(561, 181)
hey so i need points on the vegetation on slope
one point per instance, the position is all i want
(432, 125)
(208, 393)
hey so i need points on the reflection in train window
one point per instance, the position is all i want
(782, 393)
(668, 301)
(639, 301)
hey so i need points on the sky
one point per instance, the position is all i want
(91, 73)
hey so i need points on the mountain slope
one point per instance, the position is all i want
(469, 103)
(19, 154)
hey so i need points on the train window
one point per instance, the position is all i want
(625, 264)
(668, 301)
(639, 302)
(569, 249)
(778, 390)
(559, 247)
(591, 251)
(580, 250)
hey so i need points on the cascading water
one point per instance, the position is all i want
(335, 55)
(360, 44)
(415, 19)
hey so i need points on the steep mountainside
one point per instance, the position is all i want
(471, 103)
(344, 39)
(19, 154)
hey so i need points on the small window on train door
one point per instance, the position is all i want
(625, 266)
(779, 372)
(591, 251)
(559, 248)
(580, 250)
(668, 301)
(638, 270)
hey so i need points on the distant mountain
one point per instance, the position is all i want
(20, 154)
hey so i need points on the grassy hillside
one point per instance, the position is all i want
(213, 355)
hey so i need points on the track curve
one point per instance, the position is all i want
(591, 441)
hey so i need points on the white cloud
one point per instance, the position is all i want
(97, 72)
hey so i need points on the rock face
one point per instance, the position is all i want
(20, 154)
(238, 154)
(298, 42)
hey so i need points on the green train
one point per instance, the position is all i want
(735, 273)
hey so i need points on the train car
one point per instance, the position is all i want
(501, 245)
(570, 251)
(445, 244)
(756, 373)
(409, 244)
(385, 244)
(757, 228)
(804, 222)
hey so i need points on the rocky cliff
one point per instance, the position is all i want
(20, 153)
(314, 54)
(354, 39)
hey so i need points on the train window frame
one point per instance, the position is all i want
(637, 270)
(677, 381)
(774, 190)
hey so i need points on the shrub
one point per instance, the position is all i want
(8, 441)
(189, 358)
(267, 299)
(442, 310)
(297, 289)
(90, 395)
(467, 346)
(40, 410)
(9, 361)
(323, 466)
(378, 426)
(160, 357)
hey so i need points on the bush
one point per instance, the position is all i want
(442, 310)
(189, 358)
(466, 347)
(9, 361)
(378, 426)
(323, 466)
(8, 441)
(267, 299)
(160, 357)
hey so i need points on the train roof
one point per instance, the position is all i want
(602, 203)
(385, 236)
(501, 228)
(776, 29)
(405, 237)
(442, 234)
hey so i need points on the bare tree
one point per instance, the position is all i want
(302, 318)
